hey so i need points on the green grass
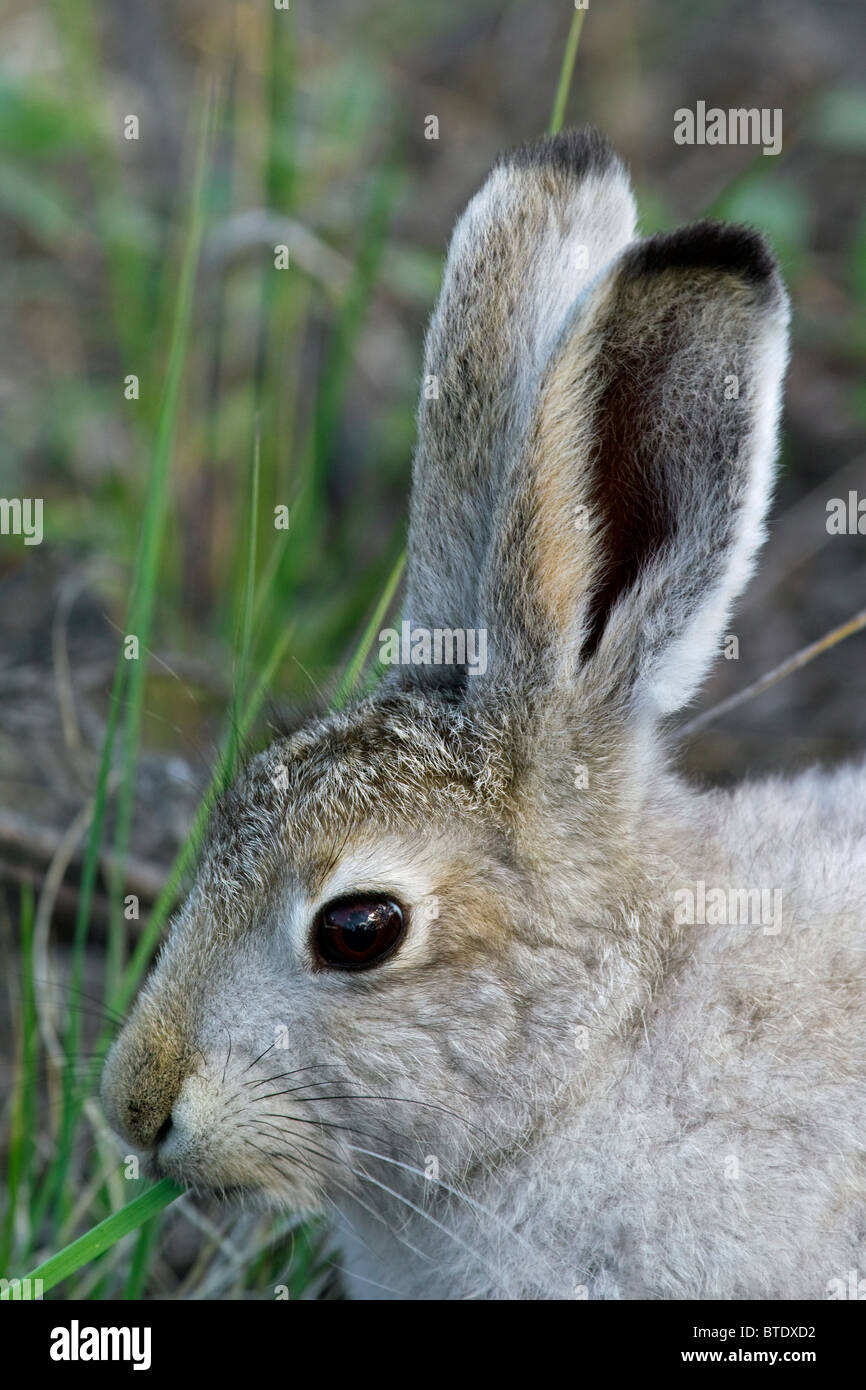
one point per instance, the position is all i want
(563, 86)
(95, 1242)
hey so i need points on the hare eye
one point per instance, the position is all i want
(356, 931)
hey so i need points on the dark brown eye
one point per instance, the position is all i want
(356, 931)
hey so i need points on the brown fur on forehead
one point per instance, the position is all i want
(396, 761)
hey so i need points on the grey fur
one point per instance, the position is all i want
(555, 1088)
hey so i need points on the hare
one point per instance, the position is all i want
(468, 965)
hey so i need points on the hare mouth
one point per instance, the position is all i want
(242, 1193)
(248, 1192)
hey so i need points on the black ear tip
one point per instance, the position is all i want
(716, 246)
(572, 153)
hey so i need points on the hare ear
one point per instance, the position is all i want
(546, 221)
(632, 519)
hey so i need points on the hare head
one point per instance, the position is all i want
(419, 922)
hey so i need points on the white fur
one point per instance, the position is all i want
(687, 660)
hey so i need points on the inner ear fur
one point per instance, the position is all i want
(635, 514)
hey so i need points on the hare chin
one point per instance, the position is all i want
(258, 1194)
(242, 1197)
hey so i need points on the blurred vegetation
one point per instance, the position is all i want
(262, 389)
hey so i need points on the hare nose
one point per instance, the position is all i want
(140, 1085)
(145, 1118)
(146, 1128)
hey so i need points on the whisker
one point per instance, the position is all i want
(455, 1191)
(336, 1066)
(258, 1059)
(419, 1211)
(281, 1161)
(383, 1125)
(325, 1124)
(280, 1076)
(398, 1100)
(378, 1216)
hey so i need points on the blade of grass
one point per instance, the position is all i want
(785, 668)
(140, 1256)
(281, 296)
(95, 1242)
(219, 207)
(329, 398)
(78, 28)
(152, 532)
(279, 173)
(563, 86)
(21, 1145)
(246, 617)
(310, 505)
(53, 1179)
(362, 651)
